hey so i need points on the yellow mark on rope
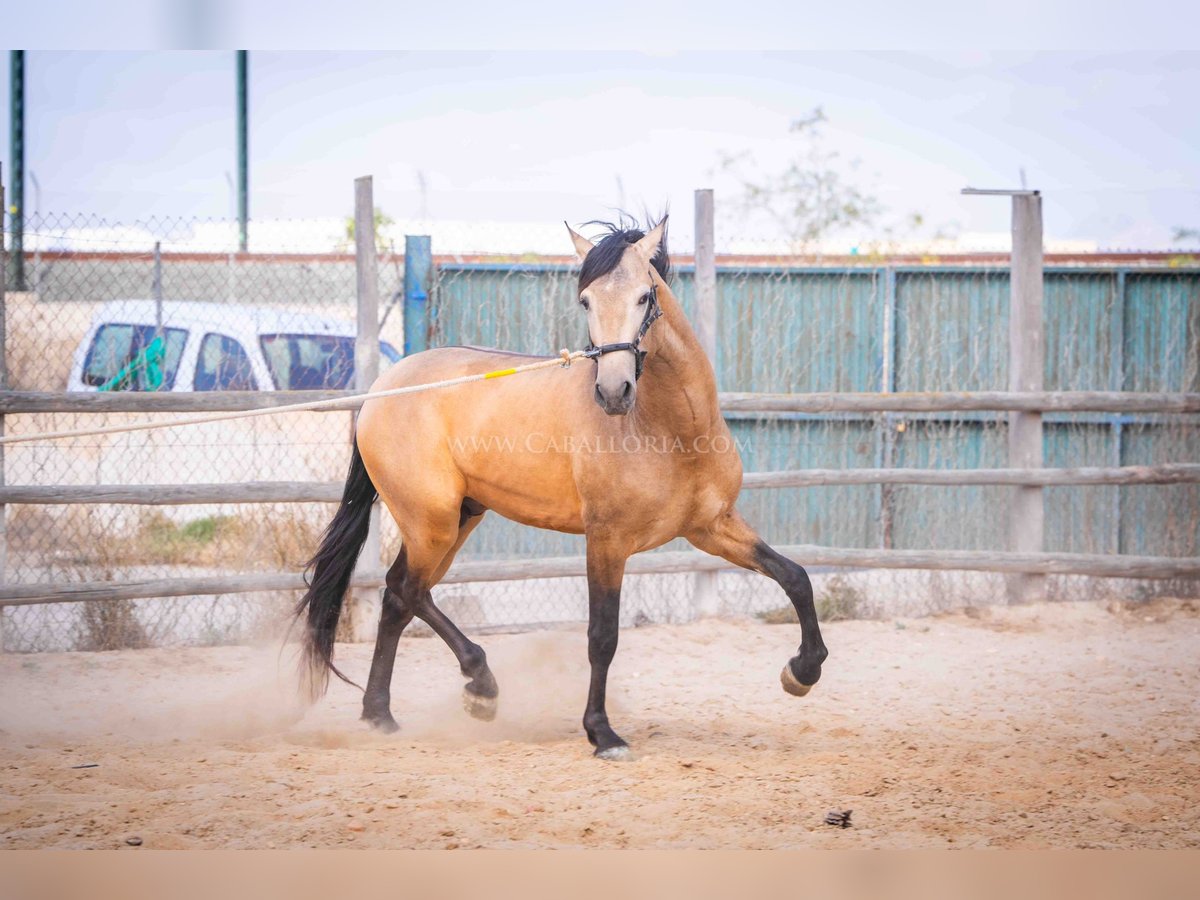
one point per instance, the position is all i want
(500, 373)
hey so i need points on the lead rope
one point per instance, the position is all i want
(563, 360)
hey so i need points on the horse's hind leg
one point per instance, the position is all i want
(409, 580)
(730, 537)
(481, 692)
(393, 619)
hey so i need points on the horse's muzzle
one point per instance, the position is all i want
(616, 401)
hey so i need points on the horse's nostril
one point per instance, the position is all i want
(628, 390)
(599, 395)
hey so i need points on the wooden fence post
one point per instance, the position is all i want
(365, 606)
(706, 600)
(3, 387)
(1026, 372)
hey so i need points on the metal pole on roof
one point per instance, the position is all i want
(16, 209)
(242, 149)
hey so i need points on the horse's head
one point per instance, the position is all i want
(618, 294)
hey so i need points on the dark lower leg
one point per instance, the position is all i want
(805, 666)
(604, 609)
(472, 661)
(393, 619)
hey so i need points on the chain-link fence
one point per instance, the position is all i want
(100, 308)
(97, 298)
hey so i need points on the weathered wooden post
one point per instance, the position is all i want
(364, 610)
(1026, 372)
(3, 386)
(706, 600)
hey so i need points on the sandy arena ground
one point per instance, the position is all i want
(1070, 725)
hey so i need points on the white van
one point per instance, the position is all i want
(214, 347)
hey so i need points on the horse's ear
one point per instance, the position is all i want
(582, 245)
(648, 245)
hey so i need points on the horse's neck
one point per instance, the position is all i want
(679, 385)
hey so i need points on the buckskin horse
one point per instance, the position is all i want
(631, 452)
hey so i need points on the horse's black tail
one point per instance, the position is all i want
(330, 570)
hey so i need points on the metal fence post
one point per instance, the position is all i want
(156, 289)
(364, 613)
(706, 599)
(1026, 372)
(418, 281)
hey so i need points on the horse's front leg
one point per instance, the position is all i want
(605, 569)
(730, 537)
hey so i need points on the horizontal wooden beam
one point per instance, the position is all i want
(1185, 473)
(331, 491)
(17, 402)
(662, 562)
(1000, 401)
(174, 494)
(29, 594)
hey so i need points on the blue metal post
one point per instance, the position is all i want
(418, 281)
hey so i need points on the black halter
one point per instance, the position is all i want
(653, 311)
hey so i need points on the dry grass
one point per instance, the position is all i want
(837, 600)
(261, 536)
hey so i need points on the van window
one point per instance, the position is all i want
(307, 362)
(130, 352)
(223, 366)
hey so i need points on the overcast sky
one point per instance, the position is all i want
(1111, 138)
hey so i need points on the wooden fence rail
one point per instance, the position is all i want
(999, 401)
(174, 494)
(642, 564)
(21, 402)
(1183, 473)
(331, 491)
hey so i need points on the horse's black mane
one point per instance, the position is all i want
(606, 255)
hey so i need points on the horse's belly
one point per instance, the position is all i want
(532, 510)
(542, 496)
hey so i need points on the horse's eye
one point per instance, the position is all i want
(584, 303)
(645, 299)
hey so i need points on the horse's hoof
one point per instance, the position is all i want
(619, 753)
(482, 708)
(791, 684)
(382, 724)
